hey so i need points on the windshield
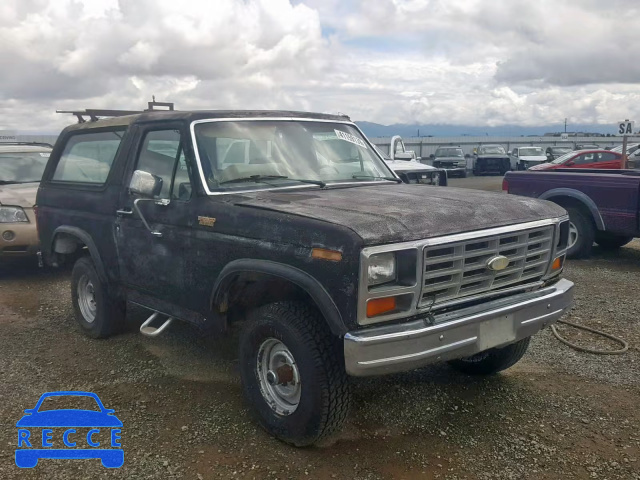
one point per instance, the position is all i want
(249, 155)
(561, 150)
(21, 167)
(563, 158)
(449, 152)
(381, 153)
(491, 149)
(531, 152)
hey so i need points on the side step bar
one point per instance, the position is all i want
(149, 331)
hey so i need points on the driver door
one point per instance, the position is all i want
(152, 256)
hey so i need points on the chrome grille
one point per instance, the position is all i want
(458, 269)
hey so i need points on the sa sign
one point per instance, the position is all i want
(626, 127)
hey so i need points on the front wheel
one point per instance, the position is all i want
(493, 360)
(97, 312)
(293, 374)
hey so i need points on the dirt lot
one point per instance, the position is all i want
(556, 414)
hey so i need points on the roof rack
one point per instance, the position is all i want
(95, 114)
(33, 144)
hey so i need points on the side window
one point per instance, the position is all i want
(162, 155)
(583, 159)
(607, 157)
(88, 157)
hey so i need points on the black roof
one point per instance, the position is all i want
(189, 116)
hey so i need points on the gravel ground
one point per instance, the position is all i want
(556, 414)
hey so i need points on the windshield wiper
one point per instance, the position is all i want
(9, 182)
(265, 178)
(391, 179)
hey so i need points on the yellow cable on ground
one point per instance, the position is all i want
(625, 345)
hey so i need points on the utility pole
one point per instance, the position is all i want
(624, 149)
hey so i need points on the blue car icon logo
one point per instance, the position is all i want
(69, 433)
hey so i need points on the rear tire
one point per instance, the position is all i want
(313, 403)
(492, 361)
(582, 226)
(609, 241)
(98, 314)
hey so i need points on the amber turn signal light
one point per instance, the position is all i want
(324, 254)
(557, 264)
(379, 306)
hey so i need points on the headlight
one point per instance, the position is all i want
(382, 268)
(12, 215)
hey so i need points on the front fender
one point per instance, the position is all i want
(86, 239)
(296, 276)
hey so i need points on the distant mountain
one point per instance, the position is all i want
(376, 130)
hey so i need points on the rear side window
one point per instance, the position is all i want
(88, 157)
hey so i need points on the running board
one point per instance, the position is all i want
(149, 331)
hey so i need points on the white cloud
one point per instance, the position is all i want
(474, 62)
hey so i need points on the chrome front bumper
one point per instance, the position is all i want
(456, 334)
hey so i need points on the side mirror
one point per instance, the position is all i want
(467, 156)
(432, 156)
(145, 184)
(403, 156)
(570, 163)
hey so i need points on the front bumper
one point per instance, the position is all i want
(456, 334)
(24, 237)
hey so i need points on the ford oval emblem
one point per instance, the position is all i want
(497, 263)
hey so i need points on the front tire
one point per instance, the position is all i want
(581, 234)
(292, 371)
(493, 360)
(98, 314)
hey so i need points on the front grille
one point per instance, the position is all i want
(460, 269)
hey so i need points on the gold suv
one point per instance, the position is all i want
(21, 167)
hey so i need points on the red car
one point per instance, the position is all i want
(584, 159)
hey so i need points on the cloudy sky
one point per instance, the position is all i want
(473, 62)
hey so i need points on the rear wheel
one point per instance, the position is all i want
(493, 360)
(611, 242)
(98, 314)
(293, 374)
(581, 234)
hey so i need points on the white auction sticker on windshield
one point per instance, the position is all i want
(347, 137)
(45, 155)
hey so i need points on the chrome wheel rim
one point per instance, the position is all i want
(87, 299)
(278, 376)
(573, 235)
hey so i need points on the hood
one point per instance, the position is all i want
(543, 166)
(493, 155)
(403, 166)
(20, 195)
(397, 213)
(534, 158)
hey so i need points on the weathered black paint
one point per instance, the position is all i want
(182, 272)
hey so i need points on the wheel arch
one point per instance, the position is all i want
(68, 240)
(249, 283)
(575, 198)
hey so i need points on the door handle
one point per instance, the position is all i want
(124, 211)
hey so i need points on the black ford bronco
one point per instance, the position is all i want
(329, 265)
